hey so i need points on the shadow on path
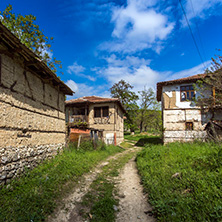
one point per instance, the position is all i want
(150, 140)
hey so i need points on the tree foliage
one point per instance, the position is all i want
(210, 88)
(149, 115)
(29, 33)
(123, 91)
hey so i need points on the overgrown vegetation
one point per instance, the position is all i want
(183, 180)
(33, 196)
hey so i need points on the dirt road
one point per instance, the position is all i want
(133, 204)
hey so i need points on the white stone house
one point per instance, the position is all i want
(101, 115)
(32, 108)
(183, 120)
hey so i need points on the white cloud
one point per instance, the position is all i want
(79, 71)
(138, 27)
(199, 69)
(201, 9)
(131, 69)
(75, 68)
(80, 89)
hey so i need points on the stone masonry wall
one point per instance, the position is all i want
(174, 124)
(32, 119)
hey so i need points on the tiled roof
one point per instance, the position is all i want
(189, 79)
(93, 99)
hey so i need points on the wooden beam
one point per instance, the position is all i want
(0, 70)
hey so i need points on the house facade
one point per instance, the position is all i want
(183, 120)
(103, 116)
(32, 108)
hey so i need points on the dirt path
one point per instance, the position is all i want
(133, 204)
(69, 209)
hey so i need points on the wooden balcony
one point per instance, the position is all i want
(78, 118)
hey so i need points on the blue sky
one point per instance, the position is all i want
(143, 42)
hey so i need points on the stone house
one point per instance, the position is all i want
(183, 120)
(32, 108)
(102, 116)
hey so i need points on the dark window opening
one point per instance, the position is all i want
(187, 93)
(101, 111)
(189, 125)
(105, 111)
(97, 112)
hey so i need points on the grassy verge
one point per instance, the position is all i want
(183, 180)
(100, 204)
(33, 196)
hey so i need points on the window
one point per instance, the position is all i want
(189, 125)
(187, 93)
(101, 111)
(105, 111)
(97, 112)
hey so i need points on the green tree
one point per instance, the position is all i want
(28, 32)
(123, 91)
(147, 101)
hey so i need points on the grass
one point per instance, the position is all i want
(183, 180)
(99, 203)
(126, 145)
(143, 139)
(34, 196)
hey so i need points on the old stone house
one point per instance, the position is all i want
(32, 108)
(183, 120)
(103, 116)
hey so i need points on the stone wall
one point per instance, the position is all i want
(32, 125)
(174, 124)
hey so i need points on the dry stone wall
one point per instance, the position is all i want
(32, 118)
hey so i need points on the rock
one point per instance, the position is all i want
(115, 207)
(4, 160)
(176, 175)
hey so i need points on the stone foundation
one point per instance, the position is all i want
(14, 161)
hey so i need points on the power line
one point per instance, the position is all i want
(194, 40)
(198, 31)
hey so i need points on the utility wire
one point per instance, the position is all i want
(198, 32)
(194, 40)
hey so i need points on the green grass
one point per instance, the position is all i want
(143, 139)
(34, 196)
(126, 145)
(100, 201)
(196, 193)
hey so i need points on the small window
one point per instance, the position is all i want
(187, 93)
(101, 111)
(97, 112)
(189, 125)
(105, 111)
